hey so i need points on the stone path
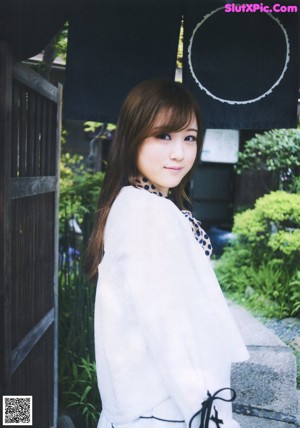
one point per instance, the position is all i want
(266, 383)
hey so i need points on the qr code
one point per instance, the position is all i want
(17, 410)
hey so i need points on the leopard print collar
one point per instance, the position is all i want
(145, 183)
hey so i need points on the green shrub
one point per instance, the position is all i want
(261, 266)
(78, 391)
(82, 395)
(272, 228)
(79, 191)
(277, 150)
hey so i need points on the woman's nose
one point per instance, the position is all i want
(177, 152)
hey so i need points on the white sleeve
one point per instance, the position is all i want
(177, 308)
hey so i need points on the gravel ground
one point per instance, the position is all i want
(287, 329)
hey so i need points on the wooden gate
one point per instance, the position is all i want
(30, 110)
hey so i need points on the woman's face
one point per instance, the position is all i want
(165, 159)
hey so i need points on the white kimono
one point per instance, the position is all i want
(164, 335)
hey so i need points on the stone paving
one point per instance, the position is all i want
(267, 381)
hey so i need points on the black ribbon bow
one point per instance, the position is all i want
(206, 409)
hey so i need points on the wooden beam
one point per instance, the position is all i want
(30, 340)
(34, 81)
(30, 186)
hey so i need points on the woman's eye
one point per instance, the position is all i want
(190, 138)
(164, 137)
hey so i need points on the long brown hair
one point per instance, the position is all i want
(146, 102)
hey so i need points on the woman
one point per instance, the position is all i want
(165, 339)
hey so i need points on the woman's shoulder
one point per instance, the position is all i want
(133, 198)
(135, 206)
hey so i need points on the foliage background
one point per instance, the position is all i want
(78, 390)
(276, 151)
(260, 268)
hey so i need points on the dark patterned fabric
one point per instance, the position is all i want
(113, 45)
(241, 67)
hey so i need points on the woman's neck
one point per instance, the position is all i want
(145, 183)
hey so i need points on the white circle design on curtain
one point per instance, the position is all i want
(201, 86)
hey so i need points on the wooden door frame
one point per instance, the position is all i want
(11, 188)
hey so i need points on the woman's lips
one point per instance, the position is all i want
(174, 168)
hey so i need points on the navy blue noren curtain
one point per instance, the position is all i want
(113, 45)
(241, 67)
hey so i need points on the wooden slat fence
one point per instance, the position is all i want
(30, 110)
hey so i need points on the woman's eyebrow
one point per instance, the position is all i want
(192, 129)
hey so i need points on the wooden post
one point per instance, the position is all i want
(5, 245)
(56, 255)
